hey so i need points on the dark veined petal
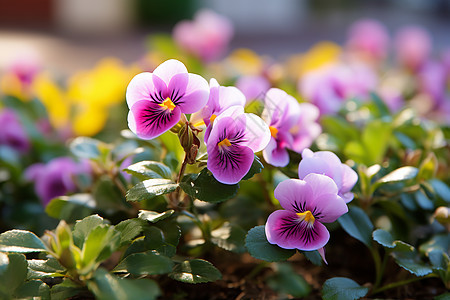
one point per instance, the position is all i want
(229, 164)
(287, 230)
(149, 120)
(293, 195)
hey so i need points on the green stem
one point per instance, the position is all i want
(378, 266)
(400, 283)
(203, 227)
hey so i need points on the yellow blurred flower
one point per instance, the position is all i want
(54, 99)
(245, 62)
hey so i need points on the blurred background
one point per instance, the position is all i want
(70, 35)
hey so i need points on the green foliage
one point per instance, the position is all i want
(146, 263)
(230, 237)
(195, 271)
(149, 170)
(287, 281)
(71, 208)
(150, 188)
(341, 288)
(357, 224)
(258, 246)
(205, 187)
(20, 241)
(13, 273)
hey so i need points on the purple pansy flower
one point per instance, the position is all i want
(220, 99)
(12, 133)
(231, 145)
(307, 204)
(327, 163)
(56, 178)
(292, 126)
(253, 87)
(157, 100)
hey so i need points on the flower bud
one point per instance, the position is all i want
(442, 215)
(186, 137)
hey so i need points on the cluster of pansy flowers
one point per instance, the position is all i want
(158, 102)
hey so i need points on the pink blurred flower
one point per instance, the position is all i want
(26, 66)
(253, 87)
(56, 178)
(413, 46)
(329, 87)
(12, 133)
(369, 37)
(207, 36)
(432, 81)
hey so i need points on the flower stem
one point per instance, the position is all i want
(379, 269)
(400, 283)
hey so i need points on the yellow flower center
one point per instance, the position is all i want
(273, 132)
(307, 216)
(167, 104)
(224, 143)
(213, 117)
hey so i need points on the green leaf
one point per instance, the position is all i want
(229, 237)
(385, 239)
(195, 271)
(423, 201)
(256, 168)
(153, 216)
(107, 195)
(442, 189)
(150, 188)
(358, 225)
(71, 208)
(129, 229)
(313, 256)
(149, 170)
(445, 296)
(85, 147)
(83, 227)
(20, 241)
(65, 290)
(437, 242)
(400, 174)
(287, 281)
(439, 260)
(341, 288)
(205, 187)
(106, 286)
(381, 106)
(258, 246)
(39, 268)
(14, 275)
(428, 167)
(154, 240)
(101, 242)
(33, 288)
(147, 263)
(410, 261)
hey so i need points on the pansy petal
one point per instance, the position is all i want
(320, 185)
(328, 207)
(322, 162)
(140, 88)
(278, 157)
(196, 94)
(349, 178)
(293, 194)
(230, 96)
(150, 120)
(177, 87)
(231, 164)
(285, 229)
(168, 69)
(257, 134)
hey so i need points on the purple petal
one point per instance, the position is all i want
(274, 155)
(140, 88)
(168, 69)
(285, 229)
(320, 185)
(196, 94)
(149, 120)
(349, 178)
(293, 195)
(322, 254)
(177, 87)
(328, 207)
(257, 132)
(321, 162)
(231, 164)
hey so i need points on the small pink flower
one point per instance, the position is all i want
(369, 37)
(157, 100)
(413, 46)
(253, 87)
(206, 37)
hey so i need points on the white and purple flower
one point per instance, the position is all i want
(292, 126)
(234, 138)
(327, 163)
(306, 205)
(157, 100)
